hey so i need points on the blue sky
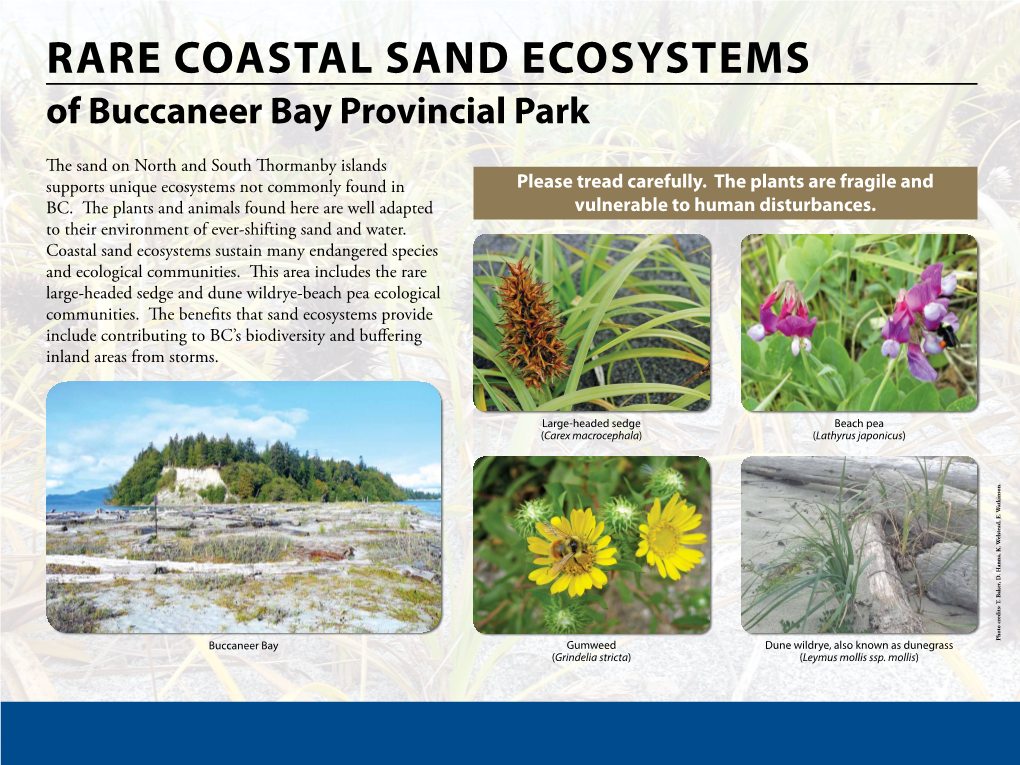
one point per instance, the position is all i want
(95, 429)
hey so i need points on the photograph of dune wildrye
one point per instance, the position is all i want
(865, 322)
(600, 545)
(591, 323)
(207, 507)
(859, 545)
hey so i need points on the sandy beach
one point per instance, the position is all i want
(776, 514)
(341, 568)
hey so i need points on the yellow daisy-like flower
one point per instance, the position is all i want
(581, 543)
(664, 536)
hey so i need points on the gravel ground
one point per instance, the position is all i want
(669, 371)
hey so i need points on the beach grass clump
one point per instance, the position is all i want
(406, 614)
(77, 613)
(409, 549)
(208, 582)
(245, 611)
(247, 549)
(222, 549)
(65, 568)
(94, 545)
(822, 565)
(423, 596)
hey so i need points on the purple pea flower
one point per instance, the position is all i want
(931, 343)
(927, 303)
(919, 365)
(792, 321)
(948, 285)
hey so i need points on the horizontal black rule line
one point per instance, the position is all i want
(526, 84)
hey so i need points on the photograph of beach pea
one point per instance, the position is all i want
(242, 507)
(859, 323)
(883, 545)
(578, 322)
(599, 545)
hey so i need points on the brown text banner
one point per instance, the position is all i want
(703, 193)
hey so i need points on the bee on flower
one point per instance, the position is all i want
(572, 553)
(793, 319)
(921, 318)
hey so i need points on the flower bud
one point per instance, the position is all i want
(756, 333)
(948, 285)
(795, 346)
(890, 348)
(806, 343)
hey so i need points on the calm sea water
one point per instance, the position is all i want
(430, 506)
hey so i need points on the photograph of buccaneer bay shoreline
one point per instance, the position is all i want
(243, 507)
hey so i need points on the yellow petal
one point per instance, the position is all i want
(685, 514)
(597, 531)
(653, 516)
(642, 547)
(598, 577)
(670, 510)
(572, 589)
(693, 523)
(661, 567)
(671, 570)
(539, 546)
(603, 541)
(693, 539)
(560, 584)
(538, 575)
(643, 528)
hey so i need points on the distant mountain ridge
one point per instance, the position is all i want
(277, 473)
(95, 497)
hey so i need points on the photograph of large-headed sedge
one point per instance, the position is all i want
(592, 323)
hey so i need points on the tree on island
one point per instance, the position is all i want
(279, 473)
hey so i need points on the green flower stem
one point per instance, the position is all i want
(888, 372)
(775, 391)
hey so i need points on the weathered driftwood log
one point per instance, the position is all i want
(953, 567)
(891, 612)
(859, 470)
(953, 518)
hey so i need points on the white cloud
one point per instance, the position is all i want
(427, 477)
(54, 484)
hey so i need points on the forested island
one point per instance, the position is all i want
(277, 473)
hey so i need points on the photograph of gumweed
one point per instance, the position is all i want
(602, 545)
(591, 323)
(859, 544)
(874, 323)
(209, 507)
